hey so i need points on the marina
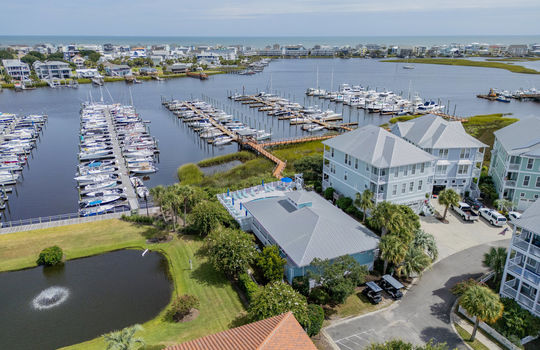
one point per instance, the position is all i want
(115, 146)
(506, 96)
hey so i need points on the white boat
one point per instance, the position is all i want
(142, 191)
(92, 202)
(103, 192)
(96, 210)
(219, 141)
(100, 185)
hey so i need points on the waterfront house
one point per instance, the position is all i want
(308, 227)
(282, 332)
(117, 70)
(78, 61)
(52, 70)
(295, 51)
(375, 159)
(148, 71)
(319, 50)
(137, 52)
(87, 73)
(515, 162)
(16, 69)
(177, 68)
(405, 51)
(521, 277)
(459, 155)
(517, 50)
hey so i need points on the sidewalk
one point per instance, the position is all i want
(455, 318)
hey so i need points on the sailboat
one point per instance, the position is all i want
(408, 66)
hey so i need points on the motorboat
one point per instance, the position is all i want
(96, 201)
(97, 210)
(100, 185)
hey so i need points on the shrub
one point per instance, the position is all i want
(319, 296)
(206, 216)
(190, 174)
(516, 321)
(248, 286)
(344, 202)
(301, 285)
(182, 306)
(139, 219)
(50, 256)
(329, 193)
(271, 263)
(316, 319)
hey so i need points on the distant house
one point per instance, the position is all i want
(517, 50)
(371, 158)
(281, 332)
(515, 162)
(295, 51)
(405, 51)
(270, 52)
(148, 71)
(78, 61)
(308, 227)
(319, 50)
(117, 70)
(137, 52)
(16, 69)
(87, 73)
(52, 70)
(177, 68)
(460, 155)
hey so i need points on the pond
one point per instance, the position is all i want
(47, 308)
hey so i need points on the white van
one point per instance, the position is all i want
(492, 216)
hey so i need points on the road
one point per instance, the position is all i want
(424, 311)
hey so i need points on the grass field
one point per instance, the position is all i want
(219, 303)
(476, 345)
(482, 127)
(462, 62)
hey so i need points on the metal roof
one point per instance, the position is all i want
(430, 131)
(521, 138)
(530, 219)
(378, 147)
(317, 231)
(392, 281)
(374, 286)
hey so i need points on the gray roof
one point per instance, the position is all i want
(379, 148)
(521, 138)
(13, 63)
(530, 219)
(317, 231)
(430, 131)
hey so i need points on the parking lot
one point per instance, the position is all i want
(457, 234)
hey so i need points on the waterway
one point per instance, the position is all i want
(47, 308)
(48, 187)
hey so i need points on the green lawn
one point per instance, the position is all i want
(219, 303)
(357, 304)
(462, 62)
(476, 345)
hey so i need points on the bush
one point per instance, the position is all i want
(344, 202)
(248, 286)
(516, 321)
(139, 219)
(182, 306)
(301, 285)
(316, 319)
(317, 186)
(329, 193)
(50, 256)
(190, 174)
(319, 296)
(271, 263)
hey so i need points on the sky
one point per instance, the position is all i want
(269, 17)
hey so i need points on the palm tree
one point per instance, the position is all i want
(416, 261)
(365, 202)
(447, 198)
(495, 259)
(427, 243)
(123, 339)
(482, 303)
(187, 195)
(157, 194)
(504, 204)
(387, 218)
(392, 250)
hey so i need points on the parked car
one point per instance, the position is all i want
(476, 204)
(493, 217)
(513, 215)
(373, 292)
(391, 286)
(465, 211)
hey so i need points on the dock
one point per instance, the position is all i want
(122, 169)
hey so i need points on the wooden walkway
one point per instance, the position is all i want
(212, 121)
(296, 140)
(451, 117)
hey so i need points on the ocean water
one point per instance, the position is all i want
(260, 42)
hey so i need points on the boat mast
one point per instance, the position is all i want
(317, 85)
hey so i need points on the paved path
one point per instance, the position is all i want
(424, 312)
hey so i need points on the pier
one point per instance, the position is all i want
(122, 169)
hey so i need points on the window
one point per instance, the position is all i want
(411, 186)
(405, 170)
(422, 167)
(326, 162)
(463, 169)
(441, 169)
(522, 194)
(332, 151)
(530, 163)
(443, 153)
(396, 171)
(420, 185)
(403, 188)
(332, 168)
(526, 180)
(345, 176)
(465, 153)
(367, 167)
(356, 163)
(394, 190)
(413, 169)
(538, 181)
(346, 158)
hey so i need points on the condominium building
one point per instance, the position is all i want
(375, 159)
(521, 278)
(16, 69)
(515, 162)
(459, 155)
(52, 69)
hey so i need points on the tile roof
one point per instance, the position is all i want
(431, 131)
(378, 147)
(281, 332)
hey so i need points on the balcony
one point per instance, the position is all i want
(524, 300)
(520, 244)
(513, 166)
(509, 292)
(479, 156)
(510, 183)
(528, 273)
(379, 197)
(378, 179)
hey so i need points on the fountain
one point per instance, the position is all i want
(50, 297)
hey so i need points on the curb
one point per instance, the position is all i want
(453, 324)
